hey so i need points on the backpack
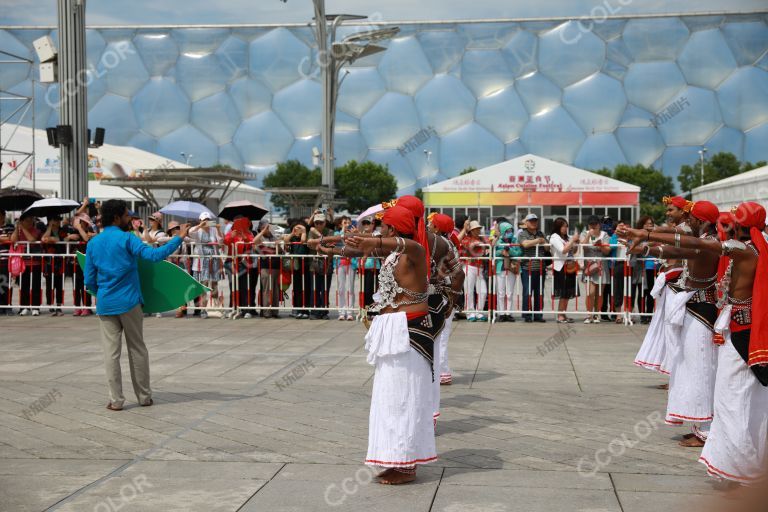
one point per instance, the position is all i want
(16, 264)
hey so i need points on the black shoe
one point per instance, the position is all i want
(540, 320)
(529, 320)
(510, 318)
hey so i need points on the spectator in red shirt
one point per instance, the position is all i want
(31, 279)
(474, 247)
(239, 240)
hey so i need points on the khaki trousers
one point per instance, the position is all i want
(112, 329)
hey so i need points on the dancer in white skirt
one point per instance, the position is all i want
(400, 345)
(737, 446)
(689, 313)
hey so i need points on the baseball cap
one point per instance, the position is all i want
(157, 216)
(531, 216)
(319, 218)
(205, 216)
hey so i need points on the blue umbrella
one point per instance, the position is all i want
(186, 209)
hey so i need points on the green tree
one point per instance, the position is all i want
(719, 167)
(362, 184)
(467, 171)
(654, 185)
(292, 174)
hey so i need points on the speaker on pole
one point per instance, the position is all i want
(98, 140)
(53, 139)
(64, 134)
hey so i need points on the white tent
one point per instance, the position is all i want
(108, 161)
(748, 186)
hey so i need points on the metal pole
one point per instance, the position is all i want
(328, 75)
(33, 163)
(73, 110)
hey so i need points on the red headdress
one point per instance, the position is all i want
(416, 207)
(443, 223)
(405, 223)
(705, 211)
(680, 202)
(752, 215)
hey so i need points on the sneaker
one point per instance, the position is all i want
(86, 312)
(247, 316)
(350, 317)
(342, 317)
(203, 314)
(35, 312)
(481, 318)
(587, 320)
(157, 315)
(24, 312)
(596, 320)
(236, 315)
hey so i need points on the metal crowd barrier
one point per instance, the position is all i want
(246, 283)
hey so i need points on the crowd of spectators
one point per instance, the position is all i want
(268, 269)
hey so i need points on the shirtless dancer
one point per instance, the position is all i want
(400, 345)
(737, 447)
(690, 314)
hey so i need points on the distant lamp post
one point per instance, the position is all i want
(702, 152)
(186, 157)
(428, 157)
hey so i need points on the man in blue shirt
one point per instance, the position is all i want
(111, 272)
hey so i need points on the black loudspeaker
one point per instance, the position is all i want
(53, 139)
(64, 134)
(98, 140)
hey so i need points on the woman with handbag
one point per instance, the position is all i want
(595, 244)
(507, 271)
(564, 266)
(206, 266)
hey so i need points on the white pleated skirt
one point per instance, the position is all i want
(692, 383)
(445, 335)
(400, 427)
(737, 446)
(654, 347)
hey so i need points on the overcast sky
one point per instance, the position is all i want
(142, 12)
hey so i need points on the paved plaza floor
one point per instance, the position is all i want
(271, 415)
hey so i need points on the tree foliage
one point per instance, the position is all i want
(292, 174)
(362, 184)
(720, 166)
(654, 185)
(467, 171)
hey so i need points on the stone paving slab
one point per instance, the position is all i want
(229, 431)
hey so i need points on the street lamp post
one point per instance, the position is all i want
(702, 152)
(333, 56)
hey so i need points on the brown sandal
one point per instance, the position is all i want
(113, 407)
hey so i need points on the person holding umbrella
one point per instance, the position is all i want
(240, 243)
(83, 234)
(32, 277)
(53, 266)
(206, 266)
(5, 285)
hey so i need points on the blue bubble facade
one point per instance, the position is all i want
(443, 97)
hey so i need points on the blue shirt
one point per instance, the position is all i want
(112, 271)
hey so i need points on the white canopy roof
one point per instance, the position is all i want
(531, 172)
(108, 160)
(749, 186)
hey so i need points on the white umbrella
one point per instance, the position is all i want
(51, 207)
(373, 210)
(186, 210)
